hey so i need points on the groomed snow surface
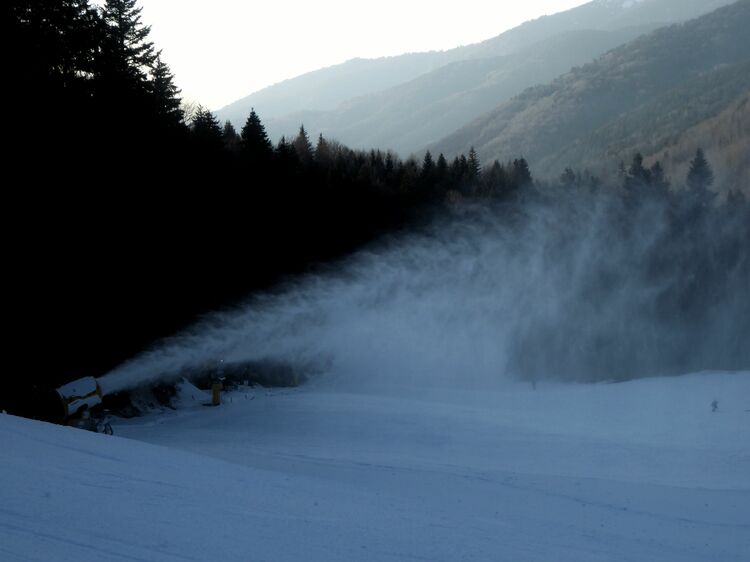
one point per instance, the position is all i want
(642, 470)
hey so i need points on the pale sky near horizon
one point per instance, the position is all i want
(222, 50)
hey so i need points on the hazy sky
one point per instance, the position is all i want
(222, 50)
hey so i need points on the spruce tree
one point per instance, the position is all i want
(230, 137)
(637, 176)
(166, 94)
(428, 165)
(700, 177)
(254, 138)
(323, 152)
(520, 174)
(286, 154)
(441, 167)
(474, 168)
(303, 146)
(206, 130)
(131, 55)
(497, 180)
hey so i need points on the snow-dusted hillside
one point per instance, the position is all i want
(633, 471)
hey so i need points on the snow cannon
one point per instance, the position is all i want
(79, 395)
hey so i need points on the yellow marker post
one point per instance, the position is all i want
(216, 393)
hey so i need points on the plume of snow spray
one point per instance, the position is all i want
(488, 292)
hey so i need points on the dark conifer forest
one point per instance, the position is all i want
(126, 217)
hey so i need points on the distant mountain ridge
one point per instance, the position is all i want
(605, 15)
(409, 116)
(636, 97)
(328, 88)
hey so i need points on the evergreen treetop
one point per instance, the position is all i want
(206, 129)
(254, 137)
(302, 146)
(700, 177)
(520, 173)
(131, 54)
(637, 175)
(474, 168)
(428, 165)
(323, 152)
(166, 93)
(230, 136)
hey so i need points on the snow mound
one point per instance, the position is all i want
(189, 394)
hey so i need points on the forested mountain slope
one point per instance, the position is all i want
(726, 141)
(638, 96)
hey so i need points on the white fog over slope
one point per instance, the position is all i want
(642, 470)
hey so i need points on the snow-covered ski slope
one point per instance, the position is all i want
(642, 470)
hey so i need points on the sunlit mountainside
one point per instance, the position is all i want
(643, 96)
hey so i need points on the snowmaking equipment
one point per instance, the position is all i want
(77, 398)
(79, 395)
